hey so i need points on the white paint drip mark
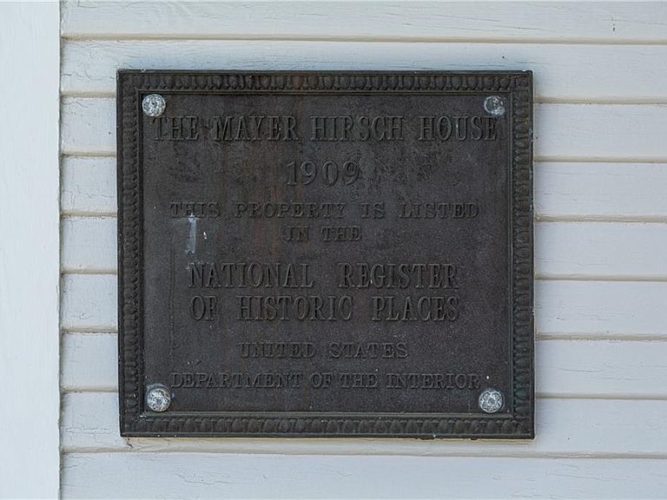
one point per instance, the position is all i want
(191, 243)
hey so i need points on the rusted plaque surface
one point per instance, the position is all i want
(339, 254)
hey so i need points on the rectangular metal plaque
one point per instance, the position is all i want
(325, 254)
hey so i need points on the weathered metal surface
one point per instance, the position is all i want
(314, 254)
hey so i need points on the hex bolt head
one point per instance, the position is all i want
(158, 397)
(494, 105)
(153, 105)
(491, 401)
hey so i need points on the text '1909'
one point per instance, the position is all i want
(308, 254)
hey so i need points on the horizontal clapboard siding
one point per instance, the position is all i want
(587, 73)
(599, 191)
(600, 233)
(88, 186)
(572, 308)
(563, 191)
(562, 249)
(368, 21)
(90, 423)
(565, 368)
(562, 131)
(213, 475)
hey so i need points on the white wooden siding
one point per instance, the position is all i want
(216, 475)
(564, 368)
(601, 234)
(603, 22)
(89, 424)
(563, 250)
(562, 72)
(562, 131)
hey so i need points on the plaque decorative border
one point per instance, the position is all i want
(516, 86)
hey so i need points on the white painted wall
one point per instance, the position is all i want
(601, 233)
(29, 250)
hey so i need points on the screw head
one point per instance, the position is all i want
(153, 105)
(158, 397)
(491, 401)
(494, 105)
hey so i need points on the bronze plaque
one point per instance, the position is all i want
(325, 254)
